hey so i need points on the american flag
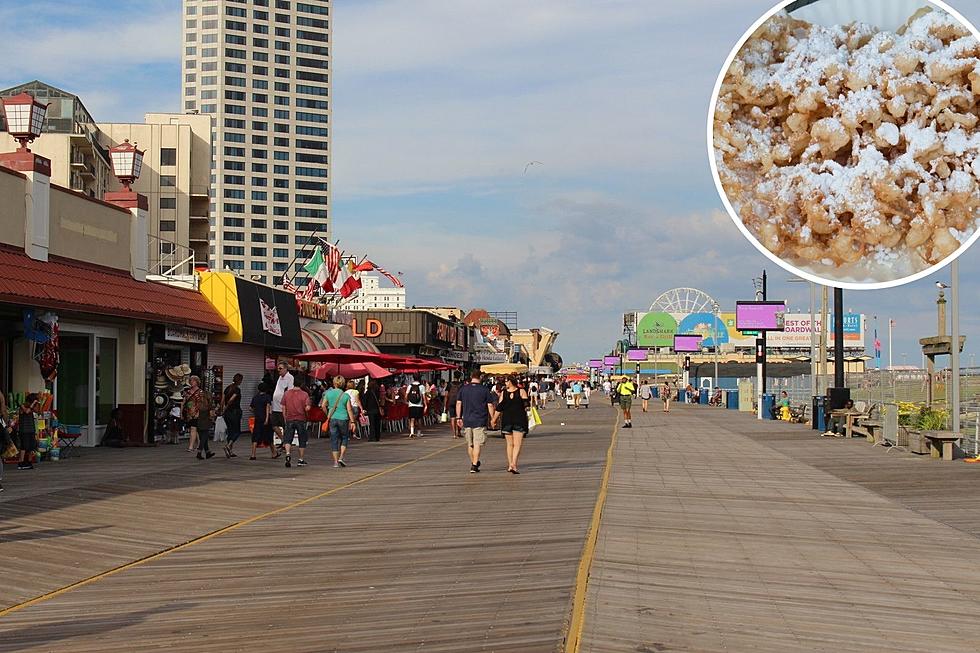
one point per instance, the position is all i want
(367, 265)
(331, 260)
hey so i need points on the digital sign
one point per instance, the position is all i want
(687, 342)
(595, 364)
(610, 360)
(636, 355)
(760, 316)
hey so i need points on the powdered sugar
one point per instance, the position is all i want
(841, 144)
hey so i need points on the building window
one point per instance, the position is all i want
(209, 38)
(235, 265)
(168, 202)
(168, 225)
(259, 210)
(258, 238)
(258, 251)
(281, 239)
(259, 224)
(235, 235)
(280, 224)
(280, 252)
(209, 80)
(168, 180)
(234, 250)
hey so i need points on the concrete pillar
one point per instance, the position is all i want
(37, 223)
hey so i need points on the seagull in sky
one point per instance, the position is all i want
(532, 163)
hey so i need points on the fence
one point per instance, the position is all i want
(892, 386)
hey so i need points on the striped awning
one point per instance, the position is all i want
(363, 344)
(315, 340)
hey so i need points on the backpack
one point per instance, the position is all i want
(414, 395)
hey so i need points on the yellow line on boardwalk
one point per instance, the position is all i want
(216, 533)
(573, 633)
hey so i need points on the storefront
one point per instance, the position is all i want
(81, 332)
(263, 326)
(416, 333)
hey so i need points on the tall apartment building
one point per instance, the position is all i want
(262, 69)
(373, 295)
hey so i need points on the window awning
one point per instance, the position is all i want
(316, 339)
(67, 285)
(363, 344)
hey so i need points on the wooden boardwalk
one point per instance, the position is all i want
(721, 533)
(419, 555)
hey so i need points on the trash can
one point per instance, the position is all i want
(819, 418)
(768, 401)
(681, 397)
(655, 391)
(732, 399)
(705, 396)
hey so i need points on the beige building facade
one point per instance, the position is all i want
(262, 70)
(176, 180)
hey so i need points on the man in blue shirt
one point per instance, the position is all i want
(476, 406)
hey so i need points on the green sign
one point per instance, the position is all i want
(656, 330)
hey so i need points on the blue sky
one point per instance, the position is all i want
(439, 105)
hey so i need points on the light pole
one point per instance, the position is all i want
(813, 334)
(714, 341)
(954, 350)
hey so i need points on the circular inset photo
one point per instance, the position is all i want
(843, 138)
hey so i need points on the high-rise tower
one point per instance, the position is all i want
(262, 69)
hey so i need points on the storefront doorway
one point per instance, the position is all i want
(86, 389)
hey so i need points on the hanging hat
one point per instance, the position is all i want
(173, 373)
(177, 396)
(160, 399)
(185, 369)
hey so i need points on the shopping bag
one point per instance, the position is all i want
(10, 450)
(444, 417)
(295, 441)
(364, 420)
(535, 416)
(530, 421)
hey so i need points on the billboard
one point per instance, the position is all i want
(636, 355)
(610, 360)
(595, 364)
(687, 342)
(795, 333)
(655, 329)
(760, 316)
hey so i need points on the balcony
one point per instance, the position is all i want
(198, 190)
(77, 160)
(87, 170)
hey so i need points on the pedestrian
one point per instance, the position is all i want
(27, 431)
(665, 395)
(452, 393)
(417, 403)
(513, 403)
(476, 407)
(262, 432)
(577, 394)
(646, 393)
(6, 433)
(231, 413)
(336, 404)
(284, 382)
(532, 390)
(626, 392)
(355, 407)
(197, 414)
(371, 403)
(607, 387)
(295, 410)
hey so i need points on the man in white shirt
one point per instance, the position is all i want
(283, 383)
(417, 403)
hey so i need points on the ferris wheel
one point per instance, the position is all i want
(684, 300)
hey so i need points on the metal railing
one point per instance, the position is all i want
(168, 259)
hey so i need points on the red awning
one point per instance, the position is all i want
(67, 285)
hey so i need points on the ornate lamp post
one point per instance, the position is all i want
(127, 163)
(24, 117)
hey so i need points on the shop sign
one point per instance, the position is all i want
(449, 333)
(175, 333)
(372, 328)
(313, 310)
(458, 356)
(270, 318)
(489, 328)
(489, 357)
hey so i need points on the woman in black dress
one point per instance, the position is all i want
(512, 408)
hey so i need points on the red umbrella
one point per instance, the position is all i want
(350, 370)
(343, 356)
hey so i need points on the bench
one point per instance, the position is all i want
(856, 420)
(869, 428)
(941, 443)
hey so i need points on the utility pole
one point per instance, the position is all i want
(954, 296)
(838, 338)
(824, 328)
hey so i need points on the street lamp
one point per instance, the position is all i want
(24, 117)
(954, 350)
(716, 309)
(127, 163)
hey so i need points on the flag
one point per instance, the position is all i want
(270, 318)
(309, 293)
(331, 265)
(316, 267)
(353, 282)
(367, 266)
